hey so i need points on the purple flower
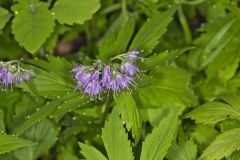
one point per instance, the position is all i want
(93, 87)
(121, 82)
(6, 78)
(106, 78)
(130, 69)
(133, 55)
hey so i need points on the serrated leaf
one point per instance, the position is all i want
(91, 153)
(115, 139)
(170, 87)
(157, 143)
(128, 109)
(10, 143)
(44, 134)
(4, 17)
(32, 26)
(72, 11)
(213, 112)
(224, 144)
(185, 151)
(117, 42)
(152, 30)
(41, 114)
(162, 58)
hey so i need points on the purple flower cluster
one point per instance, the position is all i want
(100, 77)
(13, 74)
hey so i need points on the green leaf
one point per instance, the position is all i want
(41, 114)
(68, 156)
(157, 143)
(185, 151)
(224, 145)
(4, 17)
(213, 112)
(117, 42)
(162, 58)
(91, 153)
(72, 11)
(203, 135)
(128, 109)
(2, 123)
(32, 26)
(10, 143)
(152, 30)
(115, 139)
(44, 134)
(170, 87)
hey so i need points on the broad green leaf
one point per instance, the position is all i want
(157, 143)
(213, 112)
(128, 109)
(224, 145)
(168, 85)
(229, 124)
(91, 153)
(42, 114)
(4, 17)
(10, 143)
(115, 139)
(185, 151)
(32, 26)
(72, 11)
(162, 58)
(203, 135)
(53, 78)
(152, 30)
(117, 42)
(44, 134)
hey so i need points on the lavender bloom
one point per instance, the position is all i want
(130, 69)
(106, 78)
(133, 55)
(6, 78)
(121, 82)
(93, 87)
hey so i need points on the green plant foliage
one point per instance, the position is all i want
(128, 109)
(28, 27)
(119, 79)
(70, 12)
(10, 143)
(4, 15)
(157, 143)
(116, 140)
(186, 151)
(224, 144)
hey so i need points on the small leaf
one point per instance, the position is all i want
(157, 143)
(10, 143)
(72, 11)
(32, 26)
(91, 153)
(115, 139)
(152, 30)
(224, 145)
(4, 17)
(127, 107)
